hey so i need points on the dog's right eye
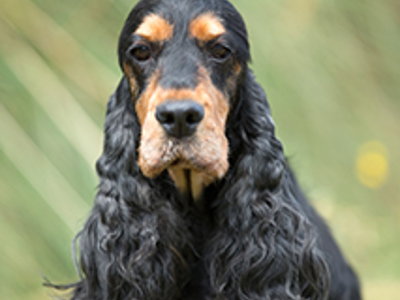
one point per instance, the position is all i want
(220, 51)
(141, 52)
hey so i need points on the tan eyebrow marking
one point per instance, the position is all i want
(206, 27)
(155, 28)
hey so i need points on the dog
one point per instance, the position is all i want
(196, 199)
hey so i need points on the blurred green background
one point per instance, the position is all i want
(331, 70)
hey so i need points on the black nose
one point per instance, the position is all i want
(180, 117)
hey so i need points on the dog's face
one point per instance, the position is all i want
(183, 60)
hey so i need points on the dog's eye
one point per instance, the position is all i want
(141, 52)
(220, 51)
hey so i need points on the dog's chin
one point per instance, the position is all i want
(190, 172)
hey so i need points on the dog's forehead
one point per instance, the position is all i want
(168, 21)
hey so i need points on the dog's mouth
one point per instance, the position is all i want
(190, 171)
(191, 165)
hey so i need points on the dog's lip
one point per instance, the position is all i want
(178, 155)
(179, 163)
(175, 163)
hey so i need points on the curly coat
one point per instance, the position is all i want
(247, 232)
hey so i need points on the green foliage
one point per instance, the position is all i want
(331, 71)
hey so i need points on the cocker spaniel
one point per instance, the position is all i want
(196, 199)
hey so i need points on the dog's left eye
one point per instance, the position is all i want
(141, 52)
(220, 51)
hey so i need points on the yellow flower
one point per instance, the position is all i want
(372, 165)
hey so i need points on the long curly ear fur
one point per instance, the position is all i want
(133, 244)
(263, 247)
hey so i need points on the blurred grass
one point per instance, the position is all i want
(331, 70)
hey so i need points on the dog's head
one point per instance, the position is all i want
(183, 60)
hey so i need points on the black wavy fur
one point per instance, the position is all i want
(253, 237)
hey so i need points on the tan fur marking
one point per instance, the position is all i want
(182, 180)
(206, 27)
(190, 182)
(198, 182)
(142, 105)
(133, 86)
(155, 28)
(238, 68)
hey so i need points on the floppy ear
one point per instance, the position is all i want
(264, 246)
(133, 243)
(121, 135)
(251, 131)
